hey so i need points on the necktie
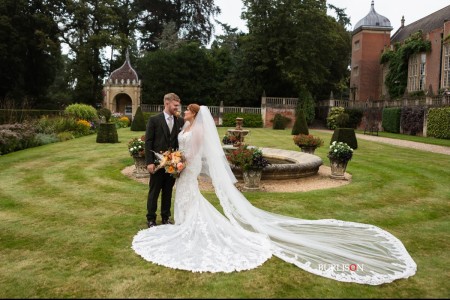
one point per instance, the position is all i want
(170, 123)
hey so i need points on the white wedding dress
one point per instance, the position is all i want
(203, 240)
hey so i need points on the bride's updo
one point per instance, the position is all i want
(194, 108)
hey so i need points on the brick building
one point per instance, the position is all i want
(428, 71)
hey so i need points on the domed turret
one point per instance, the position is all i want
(125, 73)
(373, 20)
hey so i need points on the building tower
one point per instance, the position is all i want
(369, 38)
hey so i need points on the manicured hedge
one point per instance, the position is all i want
(250, 120)
(438, 122)
(412, 120)
(391, 119)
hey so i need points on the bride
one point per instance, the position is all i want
(204, 240)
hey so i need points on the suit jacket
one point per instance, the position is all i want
(158, 137)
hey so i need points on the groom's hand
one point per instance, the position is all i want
(151, 168)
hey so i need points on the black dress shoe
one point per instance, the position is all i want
(167, 221)
(151, 223)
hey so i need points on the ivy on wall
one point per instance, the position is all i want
(397, 76)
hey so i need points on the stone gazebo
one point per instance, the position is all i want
(122, 90)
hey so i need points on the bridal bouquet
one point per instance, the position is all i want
(172, 161)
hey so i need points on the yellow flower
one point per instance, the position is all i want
(170, 169)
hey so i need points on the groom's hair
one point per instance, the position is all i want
(171, 97)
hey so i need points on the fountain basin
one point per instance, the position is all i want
(287, 165)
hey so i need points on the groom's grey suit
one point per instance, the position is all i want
(159, 139)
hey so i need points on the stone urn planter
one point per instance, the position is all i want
(307, 142)
(340, 154)
(338, 168)
(308, 149)
(140, 170)
(252, 179)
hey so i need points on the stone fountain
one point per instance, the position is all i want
(285, 164)
(238, 132)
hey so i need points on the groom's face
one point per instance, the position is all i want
(173, 107)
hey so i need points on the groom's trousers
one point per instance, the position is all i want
(160, 183)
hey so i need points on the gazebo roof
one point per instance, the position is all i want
(125, 72)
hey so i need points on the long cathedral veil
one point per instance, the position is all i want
(344, 251)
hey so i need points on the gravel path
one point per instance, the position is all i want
(401, 143)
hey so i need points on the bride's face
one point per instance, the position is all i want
(189, 115)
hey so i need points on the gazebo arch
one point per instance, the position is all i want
(122, 90)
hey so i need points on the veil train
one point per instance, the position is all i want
(344, 251)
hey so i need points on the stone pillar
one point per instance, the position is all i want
(425, 119)
(221, 113)
(263, 109)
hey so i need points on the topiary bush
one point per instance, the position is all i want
(345, 135)
(138, 123)
(107, 133)
(300, 125)
(355, 117)
(104, 113)
(342, 120)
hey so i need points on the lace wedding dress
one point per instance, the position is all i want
(203, 240)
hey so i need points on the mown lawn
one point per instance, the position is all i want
(68, 217)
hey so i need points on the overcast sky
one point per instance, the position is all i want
(355, 9)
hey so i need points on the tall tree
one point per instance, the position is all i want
(88, 27)
(299, 44)
(192, 19)
(187, 71)
(123, 32)
(29, 49)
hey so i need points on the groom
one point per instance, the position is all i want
(161, 135)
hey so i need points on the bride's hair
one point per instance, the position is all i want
(195, 108)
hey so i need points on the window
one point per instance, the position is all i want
(356, 46)
(128, 109)
(446, 67)
(355, 71)
(417, 72)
